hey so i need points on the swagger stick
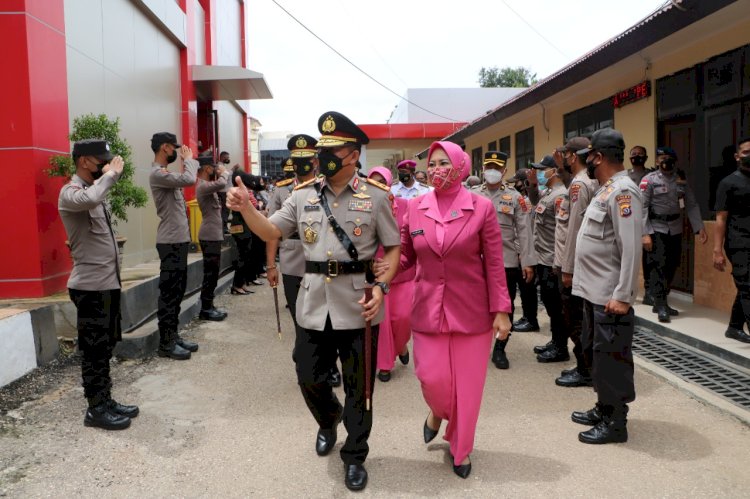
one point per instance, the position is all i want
(368, 352)
(276, 304)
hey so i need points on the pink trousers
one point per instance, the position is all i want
(395, 330)
(452, 369)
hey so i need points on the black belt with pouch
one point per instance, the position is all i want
(663, 218)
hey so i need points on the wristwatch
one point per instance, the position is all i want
(384, 287)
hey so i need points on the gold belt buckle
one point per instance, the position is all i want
(333, 268)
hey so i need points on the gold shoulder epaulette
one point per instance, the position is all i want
(306, 183)
(286, 181)
(378, 184)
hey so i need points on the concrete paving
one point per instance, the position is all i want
(231, 422)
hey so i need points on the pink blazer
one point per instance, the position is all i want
(460, 285)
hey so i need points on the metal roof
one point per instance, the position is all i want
(669, 18)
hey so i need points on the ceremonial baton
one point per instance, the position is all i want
(367, 349)
(276, 304)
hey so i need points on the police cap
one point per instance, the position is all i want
(338, 130)
(498, 158)
(302, 146)
(546, 162)
(521, 175)
(160, 138)
(93, 147)
(606, 138)
(663, 150)
(407, 164)
(575, 144)
(205, 161)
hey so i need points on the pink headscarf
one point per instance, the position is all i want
(459, 159)
(384, 172)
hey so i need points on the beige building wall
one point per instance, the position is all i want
(721, 32)
(130, 70)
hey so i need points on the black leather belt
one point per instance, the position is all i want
(663, 218)
(332, 268)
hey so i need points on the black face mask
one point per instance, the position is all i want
(404, 177)
(591, 169)
(638, 160)
(668, 164)
(330, 164)
(303, 166)
(172, 157)
(99, 171)
(745, 165)
(288, 175)
(225, 161)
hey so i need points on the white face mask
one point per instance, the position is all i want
(493, 176)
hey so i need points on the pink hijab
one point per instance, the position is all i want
(384, 172)
(460, 161)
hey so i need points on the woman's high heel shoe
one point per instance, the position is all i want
(462, 470)
(428, 433)
(239, 291)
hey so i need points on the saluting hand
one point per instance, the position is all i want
(116, 165)
(238, 198)
(186, 152)
(501, 326)
(373, 306)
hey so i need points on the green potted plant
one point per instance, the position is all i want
(125, 193)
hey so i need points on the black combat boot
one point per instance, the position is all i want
(168, 346)
(499, 358)
(612, 428)
(100, 415)
(554, 354)
(524, 325)
(212, 314)
(129, 411)
(185, 344)
(591, 417)
(574, 378)
(543, 348)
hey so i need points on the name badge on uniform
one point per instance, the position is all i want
(364, 205)
(314, 207)
(418, 232)
(661, 189)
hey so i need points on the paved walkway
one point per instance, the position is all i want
(231, 423)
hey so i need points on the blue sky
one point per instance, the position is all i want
(411, 44)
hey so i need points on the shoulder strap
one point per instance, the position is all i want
(340, 234)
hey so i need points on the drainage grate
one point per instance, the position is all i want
(732, 384)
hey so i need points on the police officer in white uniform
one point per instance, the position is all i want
(94, 283)
(407, 186)
(608, 253)
(342, 220)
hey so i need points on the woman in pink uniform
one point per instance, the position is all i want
(395, 330)
(461, 298)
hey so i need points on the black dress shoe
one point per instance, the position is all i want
(404, 358)
(737, 334)
(384, 376)
(543, 348)
(605, 432)
(129, 411)
(662, 313)
(591, 417)
(326, 439)
(672, 312)
(648, 299)
(101, 416)
(462, 470)
(428, 433)
(553, 354)
(574, 379)
(187, 345)
(526, 326)
(334, 377)
(176, 352)
(355, 476)
(212, 314)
